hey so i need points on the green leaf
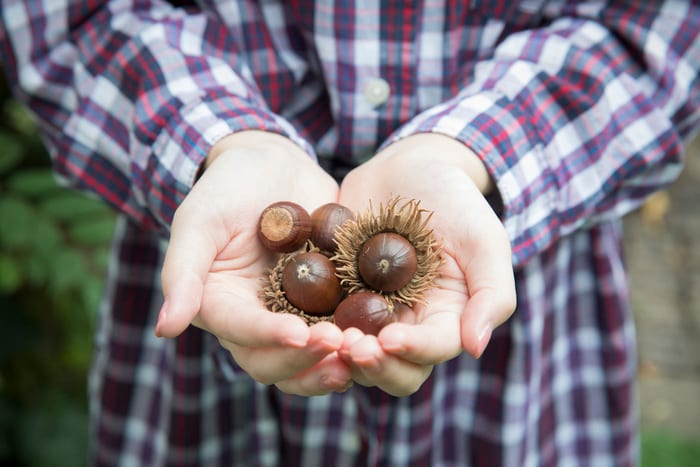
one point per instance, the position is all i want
(36, 269)
(100, 258)
(10, 275)
(67, 269)
(22, 227)
(34, 183)
(46, 236)
(97, 232)
(71, 206)
(11, 152)
(19, 118)
(16, 222)
(77, 345)
(92, 294)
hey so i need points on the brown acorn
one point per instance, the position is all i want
(387, 262)
(310, 284)
(367, 311)
(409, 221)
(276, 299)
(284, 227)
(324, 222)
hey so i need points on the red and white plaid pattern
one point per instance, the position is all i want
(578, 109)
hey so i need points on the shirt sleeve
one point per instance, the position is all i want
(131, 95)
(579, 120)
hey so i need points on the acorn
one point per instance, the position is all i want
(284, 227)
(324, 222)
(310, 284)
(277, 299)
(361, 258)
(367, 311)
(387, 262)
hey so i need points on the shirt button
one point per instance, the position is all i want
(376, 91)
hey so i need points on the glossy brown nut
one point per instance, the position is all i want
(284, 227)
(324, 221)
(387, 262)
(367, 311)
(310, 284)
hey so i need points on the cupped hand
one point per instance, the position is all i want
(475, 291)
(214, 264)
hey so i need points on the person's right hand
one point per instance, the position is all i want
(214, 264)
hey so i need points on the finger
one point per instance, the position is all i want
(435, 340)
(394, 375)
(488, 306)
(490, 279)
(271, 365)
(237, 315)
(350, 336)
(190, 254)
(328, 375)
(484, 312)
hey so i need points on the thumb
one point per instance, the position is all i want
(188, 259)
(483, 312)
(492, 294)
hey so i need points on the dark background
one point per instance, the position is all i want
(53, 257)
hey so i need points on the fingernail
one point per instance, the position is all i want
(334, 384)
(394, 342)
(296, 341)
(344, 354)
(162, 317)
(373, 364)
(483, 339)
(321, 346)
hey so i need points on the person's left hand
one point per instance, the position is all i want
(475, 290)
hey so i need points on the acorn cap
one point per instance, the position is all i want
(273, 295)
(407, 219)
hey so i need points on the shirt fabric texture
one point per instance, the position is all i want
(578, 109)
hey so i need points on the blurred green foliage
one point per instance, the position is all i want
(661, 448)
(53, 250)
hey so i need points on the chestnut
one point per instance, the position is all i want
(284, 227)
(310, 284)
(384, 265)
(387, 262)
(324, 221)
(367, 311)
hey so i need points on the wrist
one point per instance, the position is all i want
(439, 147)
(251, 139)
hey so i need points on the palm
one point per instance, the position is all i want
(474, 290)
(236, 272)
(214, 266)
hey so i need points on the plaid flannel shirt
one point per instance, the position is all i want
(579, 110)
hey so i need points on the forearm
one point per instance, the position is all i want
(253, 140)
(574, 125)
(442, 148)
(128, 103)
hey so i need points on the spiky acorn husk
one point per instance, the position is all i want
(274, 297)
(405, 218)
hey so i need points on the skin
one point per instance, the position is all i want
(475, 291)
(212, 269)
